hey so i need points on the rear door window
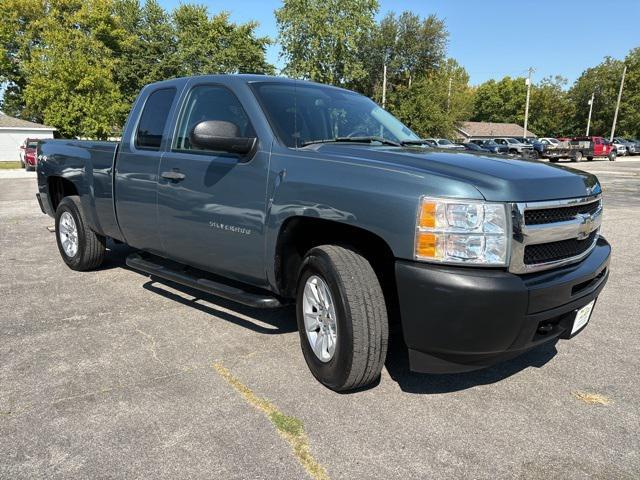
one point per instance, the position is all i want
(154, 119)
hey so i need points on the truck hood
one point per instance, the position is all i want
(496, 178)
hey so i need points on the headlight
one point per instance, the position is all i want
(462, 232)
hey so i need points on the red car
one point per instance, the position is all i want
(30, 154)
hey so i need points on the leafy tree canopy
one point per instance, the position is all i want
(78, 64)
(322, 39)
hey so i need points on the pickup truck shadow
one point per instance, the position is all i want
(268, 321)
(281, 320)
(398, 367)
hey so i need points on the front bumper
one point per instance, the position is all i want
(458, 319)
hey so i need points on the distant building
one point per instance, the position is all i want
(469, 130)
(14, 131)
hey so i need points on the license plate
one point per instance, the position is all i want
(582, 317)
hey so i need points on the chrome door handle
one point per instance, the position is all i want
(173, 175)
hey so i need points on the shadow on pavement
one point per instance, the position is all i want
(281, 320)
(398, 367)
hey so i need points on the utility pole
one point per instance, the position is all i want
(449, 95)
(384, 85)
(615, 116)
(526, 108)
(590, 110)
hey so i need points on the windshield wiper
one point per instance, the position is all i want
(418, 141)
(372, 139)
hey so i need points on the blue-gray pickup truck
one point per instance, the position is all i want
(270, 191)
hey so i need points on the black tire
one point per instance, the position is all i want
(612, 156)
(577, 157)
(362, 323)
(554, 160)
(535, 155)
(590, 159)
(91, 246)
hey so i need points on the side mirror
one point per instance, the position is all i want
(220, 136)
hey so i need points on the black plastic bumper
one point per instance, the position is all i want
(458, 319)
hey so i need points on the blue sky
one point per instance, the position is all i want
(493, 38)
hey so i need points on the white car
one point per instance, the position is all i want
(620, 147)
(554, 142)
(514, 145)
(445, 143)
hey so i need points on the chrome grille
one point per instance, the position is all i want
(550, 234)
(553, 251)
(560, 214)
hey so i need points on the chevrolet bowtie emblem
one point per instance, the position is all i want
(586, 225)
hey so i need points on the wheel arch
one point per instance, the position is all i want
(299, 234)
(60, 187)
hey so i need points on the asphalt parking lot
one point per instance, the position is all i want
(109, 374)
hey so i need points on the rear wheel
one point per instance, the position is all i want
(554, 160)
(80, 247)
(612, 156)
(342, 318)
(590, 159)
(577, 157)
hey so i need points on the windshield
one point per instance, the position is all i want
(555, 141)
(32, 144)
(512, 140)
(444, 141)
(303, 113)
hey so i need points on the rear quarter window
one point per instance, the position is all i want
(154, 119)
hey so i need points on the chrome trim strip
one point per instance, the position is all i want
(579, 228)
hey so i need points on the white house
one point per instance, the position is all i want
(14, 131)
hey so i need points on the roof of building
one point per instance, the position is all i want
(492, 129)
(10, 122)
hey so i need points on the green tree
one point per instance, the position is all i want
(207, 45)
(426, 106)
(604, 81)
(629, 116)
(322, 39)
(501, 101)
(148, 51)
(410, 47)
(70, 72)
(551, 111)
(19, 33)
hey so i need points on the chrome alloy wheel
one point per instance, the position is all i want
(68, 234)
(320, 320)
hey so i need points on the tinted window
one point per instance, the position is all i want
(210, 102)
(154, 118)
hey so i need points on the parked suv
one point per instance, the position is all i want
(513, 145)
(490, 145)
(30, 154)
(630, 147)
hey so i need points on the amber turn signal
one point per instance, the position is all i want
(427, 215)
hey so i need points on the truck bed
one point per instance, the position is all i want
(92, 161)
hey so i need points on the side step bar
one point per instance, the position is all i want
(235, 294)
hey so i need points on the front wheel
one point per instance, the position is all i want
(80, 247)
(612, 156)
(577, 157)
(342, 318)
